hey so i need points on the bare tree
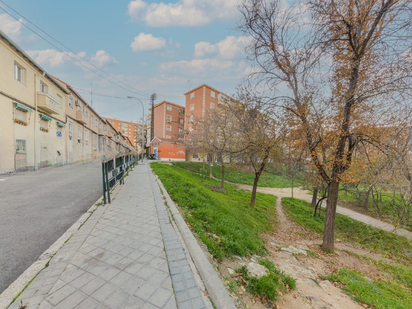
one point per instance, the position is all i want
(340, 69)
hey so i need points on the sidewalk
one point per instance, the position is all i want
(128, 254)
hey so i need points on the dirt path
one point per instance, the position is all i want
(297, 252)
(305, 195)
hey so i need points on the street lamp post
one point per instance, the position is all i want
(129, 97)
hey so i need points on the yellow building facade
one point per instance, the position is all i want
(43, 122)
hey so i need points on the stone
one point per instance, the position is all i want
(294, 250)
(256, 270)
(231, 271)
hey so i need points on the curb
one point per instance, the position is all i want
(21, 283)
(212, 281)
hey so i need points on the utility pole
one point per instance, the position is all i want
(152, 99)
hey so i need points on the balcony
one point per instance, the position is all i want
(47, 103)
(81, 117)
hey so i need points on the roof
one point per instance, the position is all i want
(201, 86)
(30, 60)
(168, 102)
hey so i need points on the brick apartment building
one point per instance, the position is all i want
(168, 140)
(131, 130)
(199, 101)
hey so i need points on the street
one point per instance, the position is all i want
(37, 208)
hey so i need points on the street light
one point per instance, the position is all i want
(129, 97)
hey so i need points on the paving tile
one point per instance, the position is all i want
(115, 299)
(82, 280)
(105, 291)
(59, 295)
(89, 303)
(160, 297)
(121, 278)
(132, 302)
(73, 300)
(93, 286)
(145, 291)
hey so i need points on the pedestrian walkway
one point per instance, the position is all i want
(126, 255)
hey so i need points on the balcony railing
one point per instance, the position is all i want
(81, 117)
(47, 103)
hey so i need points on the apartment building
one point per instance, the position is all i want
(43, 121)
(168, 141)
(131, 130)
(33, 109)
(199, 101)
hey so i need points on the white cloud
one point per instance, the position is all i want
(184, 13)
(54, 58)
(50, 57)
(102, 58)
(10, 26)
(147, 42)
(229, 48)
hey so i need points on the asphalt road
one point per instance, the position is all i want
(36, 208)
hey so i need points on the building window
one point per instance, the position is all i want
(20, 145)
(192, 107)
(181, 121)
(91, 119)
(213, 94)
(86, 137)
(191, 118)
(169, 118)
(70, 130)
(44, 123)
(19, 73)
(43, 87)
(70, 101)
(59, 98)
(169, 107)
(212, 105)
(79, 135)
(168, 137)
(180, 131)
(22, 114)
(195, 156)
(192, 96)
(169, 128)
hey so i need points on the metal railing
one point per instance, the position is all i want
(114, 171)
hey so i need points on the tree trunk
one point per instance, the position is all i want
(254, 190)
(329, 233)
(222, 184)
(314, 196)
(211, 167)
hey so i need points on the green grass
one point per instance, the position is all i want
(387, 243)
(388, 204)
(400, 273)
(224, 221)
(267, 287)
(271, 178)
(380, 294)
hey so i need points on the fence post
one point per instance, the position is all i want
(107, 185)
(104, 182)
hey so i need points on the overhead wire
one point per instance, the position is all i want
(131, 88)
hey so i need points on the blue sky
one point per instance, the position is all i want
(163, 47)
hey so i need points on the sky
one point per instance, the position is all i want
(120, 48)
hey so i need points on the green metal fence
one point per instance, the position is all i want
(114, 171)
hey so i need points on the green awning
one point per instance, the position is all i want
(45, 117)
(23, 107)
(61, 124)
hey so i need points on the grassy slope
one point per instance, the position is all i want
(232, 174)
(224, 221)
